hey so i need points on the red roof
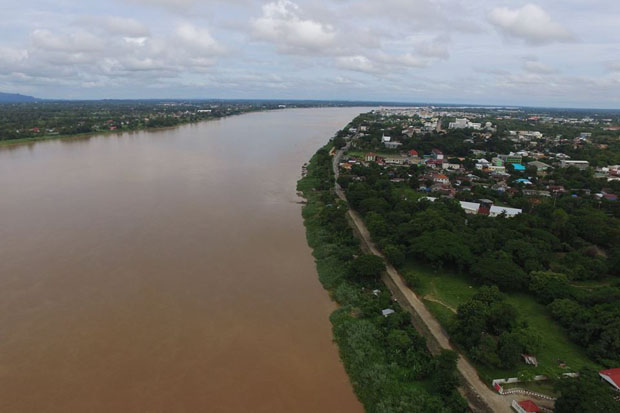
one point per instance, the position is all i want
(613, 375)
(413, 152)
(437, 151)
(529, 406)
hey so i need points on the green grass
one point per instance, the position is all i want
(453, 289)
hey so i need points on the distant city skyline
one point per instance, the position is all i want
(558, 53)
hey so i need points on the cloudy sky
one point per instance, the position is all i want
(547, 52)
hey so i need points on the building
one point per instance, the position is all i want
(525, 406)
(541, 167)
(470, 207)
(413, 153)
(437, 154)
(459, 123)
(440, 178)
(612, 376)
(387, 312)
(371, 157)
(392, 145)
(395, 160)
(496, 211)
(518, 167)
(511, 158)
(565, 163)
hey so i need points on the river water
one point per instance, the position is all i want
(166, 271)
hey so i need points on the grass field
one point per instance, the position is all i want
(444, 291)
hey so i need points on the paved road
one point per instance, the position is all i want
(481, 398)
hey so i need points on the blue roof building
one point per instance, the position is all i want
(518, 167)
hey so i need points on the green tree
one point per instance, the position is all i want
(367, 266)
(585, 394)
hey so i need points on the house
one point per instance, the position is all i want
(440, 178)
(612, 376)
(385, 139)
(371, 157)
(496, 211)
(541, 167)
(529, 359)
(412, 153)
(470, 207)
(518, 167)
(459, 123)
(437, 154)
(387, 312)
(565, 163)
(392, 145)
(511, 158)
(434, 163)
(523, 181)
(482, 163)
(525, 406)
(395, 160)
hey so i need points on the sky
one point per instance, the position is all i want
(563, 53)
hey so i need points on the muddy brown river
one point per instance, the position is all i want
(166, 271)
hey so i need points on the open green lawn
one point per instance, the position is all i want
(453, 289)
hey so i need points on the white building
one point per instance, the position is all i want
(470, 207)
(565, 163)
(498, 210)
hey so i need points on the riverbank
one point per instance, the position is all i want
(386, 359)
(23, 141)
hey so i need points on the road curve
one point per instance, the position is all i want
(480, 397)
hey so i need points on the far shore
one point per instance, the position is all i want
(24, 141)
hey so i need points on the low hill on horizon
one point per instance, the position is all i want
(16, 98)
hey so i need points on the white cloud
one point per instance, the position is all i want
(80, 41)
(534, 66)
(198, 39)
(530, 23)
(123, 26)
(356, 63)
(282, 25)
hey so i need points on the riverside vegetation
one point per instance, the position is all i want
(544, 282)
(387, 361)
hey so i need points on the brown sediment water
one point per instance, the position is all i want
(166, 271)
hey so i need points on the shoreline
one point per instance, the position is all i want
(6, 143)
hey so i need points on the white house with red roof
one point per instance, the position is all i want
(525, 406)
(437, 154)
(612, 376)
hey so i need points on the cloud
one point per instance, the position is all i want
(123, 26)
(534, 66)
(198, 39)
(614, 66)
(80, 41)
(282, 25)
(530, 23)
(357, 63)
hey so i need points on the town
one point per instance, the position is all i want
(490, 172)
(503, 226)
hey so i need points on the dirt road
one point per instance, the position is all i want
(480, 397)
